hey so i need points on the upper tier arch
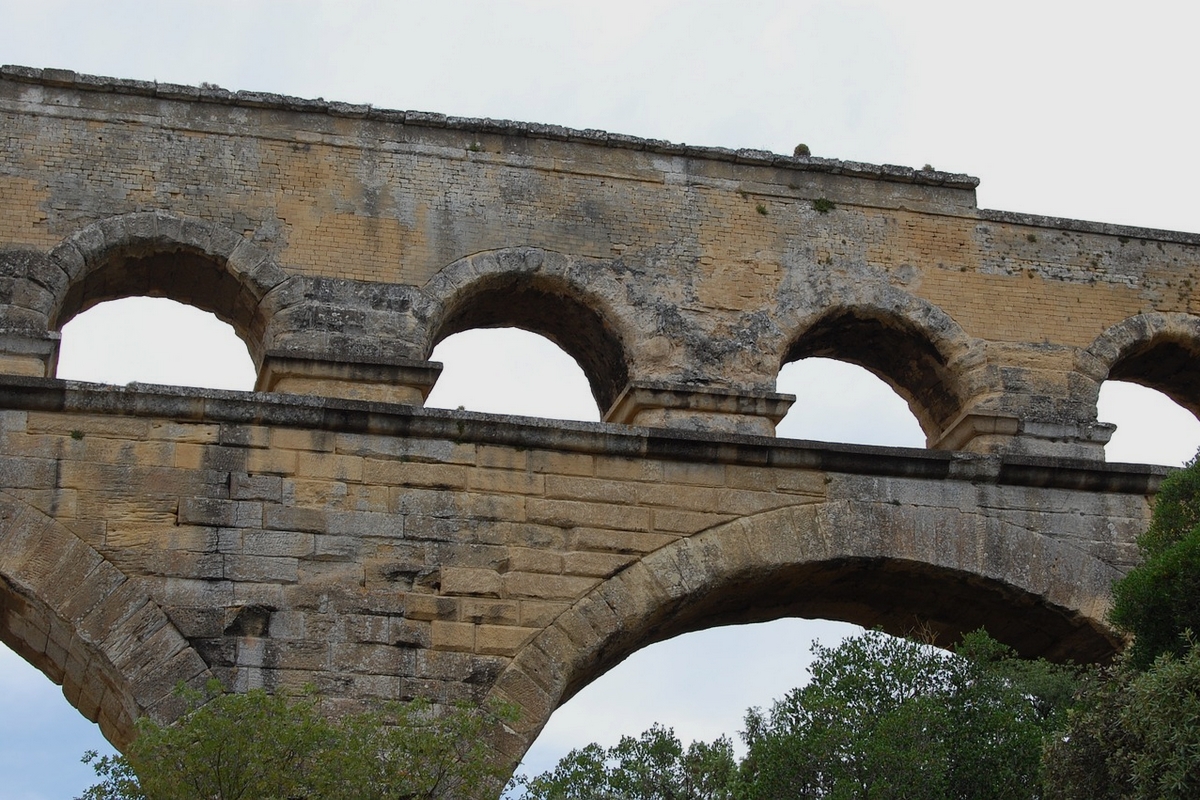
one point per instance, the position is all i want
(1157, 350)
(540, 291)
(163, 255)
(912, 345)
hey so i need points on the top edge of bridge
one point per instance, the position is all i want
(207, 93)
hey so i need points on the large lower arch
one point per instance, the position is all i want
(1160, 351)
(533, 289)
(85, 625)
(898, 567)
(156, 254)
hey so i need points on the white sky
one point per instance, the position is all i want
(1080, 110)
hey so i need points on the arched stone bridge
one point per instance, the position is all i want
(329, 530)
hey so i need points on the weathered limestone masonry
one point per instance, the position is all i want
(328, 529)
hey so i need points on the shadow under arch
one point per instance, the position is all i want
(1159, 350)
(81, 622)
(914, 347)
(866, 562)
(533, 289)
(156, 254)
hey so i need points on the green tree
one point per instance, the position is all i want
(1158, 600)
(1135, 735)
(654, 766)
(892, 718)
(274, 747)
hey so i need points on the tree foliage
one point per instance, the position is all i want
(1134, 736)
(892, 718)
(273, 747)
(1159, 600)
(654, 766)
(881, 718)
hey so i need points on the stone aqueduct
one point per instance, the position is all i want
(327, 529)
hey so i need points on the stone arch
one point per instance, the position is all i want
(912, 345)
(1157, 350)
(868, 562)
(85, 625)
(540, 291)
(157, 254)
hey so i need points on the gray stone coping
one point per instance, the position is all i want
(214, 94)
(1086, 226)
(598, 438)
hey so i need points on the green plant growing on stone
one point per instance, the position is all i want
(802, 151)
(761, 209)
(256, 745)
(823, 205)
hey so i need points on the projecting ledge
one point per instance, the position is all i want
(983, 432)
(393, 381)
(668, 405)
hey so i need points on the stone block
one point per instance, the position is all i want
(428, 607)
(599, 565)
(419, 474)
(260, 569)
(545, 587)
(471, 582)
(453, 636)
(540, 613)
(285, 518)
(278, 544)
(503, 481)
(491, 612)
(570, 514)
(267, 488)
(501, 640)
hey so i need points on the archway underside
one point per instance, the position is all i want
(545, 307)
(1167, 365)
(899, 355)
(899, 597)
(182, 275)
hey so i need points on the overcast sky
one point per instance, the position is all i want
(1080, 110)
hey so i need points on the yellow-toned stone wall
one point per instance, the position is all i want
(704, 267)
(384, 552)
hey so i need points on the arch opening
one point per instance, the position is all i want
(154, 340)
(683, 646)
(1168, 364)
(510, 371)
(897, 596)
(550, 308)
(1152, 428)
(841, 402)
(40, 756)
(895, 564)
(185, 276)
(894, 350)
(700, 684)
